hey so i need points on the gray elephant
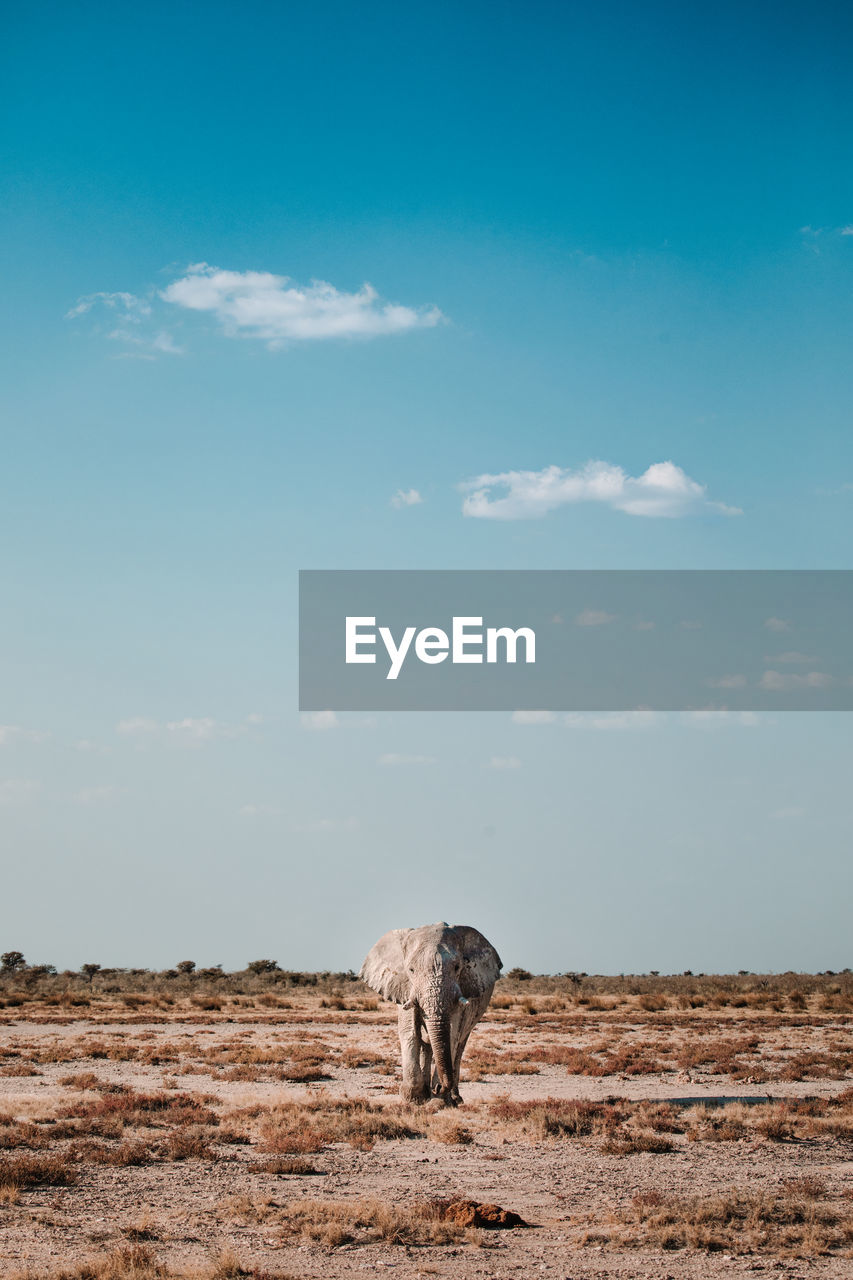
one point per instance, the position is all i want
(443, 977)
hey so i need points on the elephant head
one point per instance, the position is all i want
(437, 970)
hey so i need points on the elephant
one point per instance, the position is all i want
(442, 976)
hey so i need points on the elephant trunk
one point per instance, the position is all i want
(438, 1027)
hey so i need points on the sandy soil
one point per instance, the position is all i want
(580, 1191)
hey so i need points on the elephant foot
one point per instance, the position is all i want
(416, 1095)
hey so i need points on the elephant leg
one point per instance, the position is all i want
(457, 1066)
(426, 1065)
(415, 1083)
(472, 1012)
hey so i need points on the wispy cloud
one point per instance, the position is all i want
(258, 304)
(782, 681)
(195, 729)
(594, 618)
(792, 656)
(503, 763)
(146, 347)
(717, 718)
(319, 720)
(777, 624)
(90, 796)
(188, 729)
(663, 490)
(533, 717)
(395, 758)
(612, 720)
(321, 826)
(813, 236)
(133, 325)
(136, 726)
(18, 791)
(12, 733)
(727, 682)
(127, 304)
(406, 498)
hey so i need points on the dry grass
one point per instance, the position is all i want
(21, 1172)
(138, 994)
(363, 1221)
(136, 1261)
(740, 1221)
(116, 1093)
(305, 1128)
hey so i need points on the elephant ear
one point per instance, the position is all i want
(384, 967)
(481, 963)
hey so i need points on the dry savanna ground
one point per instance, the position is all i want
(214, 1125)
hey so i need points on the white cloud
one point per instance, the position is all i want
(780, 681)
(406, 498)
(15, 791)
(258, 304)
(319, 720)
(254, 717)
(127, 303)
(394, 758)
(323, 825)
(533, 717)
(662, 490)
(254, 304)
(791, 811)
(715, 718)
(165, 342)
(135, 328)
(504, 762)
(611, 720)
(197, 729)
(846, 487)
(259, 810)
(791, 657)
(777, 624)
(96, 795)
(728, 682)
(10, 733)
(136, 726)
(813, 233)
(145, 347)
(594, 618)
(189, 729)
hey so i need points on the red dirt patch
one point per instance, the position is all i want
(468, 1213)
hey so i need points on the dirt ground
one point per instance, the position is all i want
(263, 1136)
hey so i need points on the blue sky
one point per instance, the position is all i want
(595, 233)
